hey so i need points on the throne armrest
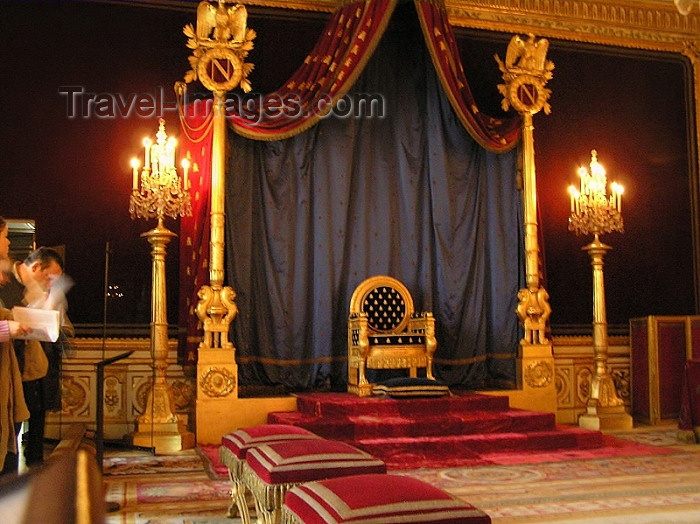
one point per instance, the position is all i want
(421, 322)
(424, 323)
(358, 331)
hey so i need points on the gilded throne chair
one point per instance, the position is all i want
(384, 332)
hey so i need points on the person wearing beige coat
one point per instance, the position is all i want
(13, 408)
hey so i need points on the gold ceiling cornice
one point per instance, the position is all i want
(643, 24)
(327, 6)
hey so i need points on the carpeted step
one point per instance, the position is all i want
(388, 426)
(448, 431)
(345, 404)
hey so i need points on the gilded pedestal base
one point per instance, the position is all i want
(159, 427)
(164, 437)
(361, 390)
(605, 418)
(605, 410)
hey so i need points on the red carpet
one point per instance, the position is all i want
(611, 447)
(460, 430)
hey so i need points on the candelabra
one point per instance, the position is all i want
(158, 191)
(594, 212)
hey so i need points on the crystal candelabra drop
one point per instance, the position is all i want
(161, 191)
(592, 211)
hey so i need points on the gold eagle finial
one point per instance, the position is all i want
(526, 71)
(221, 23)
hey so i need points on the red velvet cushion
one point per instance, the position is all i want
(239, 441)
(297, 461)
(377, 498)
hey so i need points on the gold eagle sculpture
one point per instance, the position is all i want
(221, 23)
(529, 55)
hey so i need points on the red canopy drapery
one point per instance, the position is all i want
(326, 75)
(339, 57)
(195, 145)
(491, 133)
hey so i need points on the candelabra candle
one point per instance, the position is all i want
(158, 191)
(592, 211)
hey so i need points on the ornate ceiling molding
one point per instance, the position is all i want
(643, 24)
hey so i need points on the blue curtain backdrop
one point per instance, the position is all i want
(410, 195)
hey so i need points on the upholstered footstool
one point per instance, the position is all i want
(375, 499)
(271, 469)
(235, 446)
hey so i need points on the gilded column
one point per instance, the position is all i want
(526, 71)
(220, 42)
(692, 51)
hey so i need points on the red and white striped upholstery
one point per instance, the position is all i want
(233, 451)
(375, 499)
(271, 469)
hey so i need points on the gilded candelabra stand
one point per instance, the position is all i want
(594, 212)
(159, 191)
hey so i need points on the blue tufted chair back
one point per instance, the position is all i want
(386, 302)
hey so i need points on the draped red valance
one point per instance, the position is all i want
(491, 133)
(338, 58)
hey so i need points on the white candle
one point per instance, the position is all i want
(135, 172)
(185, 168)
(620, 190)
(172, 143)
(572, 190)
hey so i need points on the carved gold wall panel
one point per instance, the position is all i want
(573, 360)
(75, 394)
(126, 384)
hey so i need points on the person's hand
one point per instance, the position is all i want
(18, 330)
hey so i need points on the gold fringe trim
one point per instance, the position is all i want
(231, 461)
(267, 496)
(288, 517)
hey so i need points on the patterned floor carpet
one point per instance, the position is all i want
(638, 488)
